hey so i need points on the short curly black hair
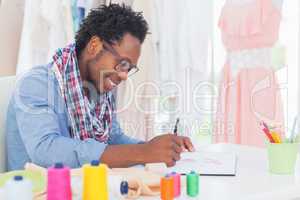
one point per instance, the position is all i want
(110, 23)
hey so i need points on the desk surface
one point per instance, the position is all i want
(252, 182)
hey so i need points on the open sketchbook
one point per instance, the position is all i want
(206, 164)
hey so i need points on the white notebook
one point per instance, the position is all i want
(206, 164)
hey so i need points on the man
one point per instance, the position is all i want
(64, 111)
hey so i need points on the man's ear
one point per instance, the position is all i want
(94, 46)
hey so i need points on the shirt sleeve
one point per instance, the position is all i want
(40, 131)
(117, 135)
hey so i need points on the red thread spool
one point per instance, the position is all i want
(177, 184)
(167, 188)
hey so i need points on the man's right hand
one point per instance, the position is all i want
(165, 148)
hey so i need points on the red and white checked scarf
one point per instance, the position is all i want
(88, 119)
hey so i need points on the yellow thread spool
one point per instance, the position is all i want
(95, 185)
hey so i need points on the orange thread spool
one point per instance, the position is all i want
(167, 188)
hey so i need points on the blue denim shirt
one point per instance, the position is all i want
(37, 128)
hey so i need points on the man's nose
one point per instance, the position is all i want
(123, 75)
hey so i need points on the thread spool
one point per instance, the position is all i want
(167, 188)
(59, 183)
(77, 187)
(118, 189)
(124, 188)
(95, 186)
(18, 188)
(177, 184)
(192, 184)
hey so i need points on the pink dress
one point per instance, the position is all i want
(252, 94)
(251, 25)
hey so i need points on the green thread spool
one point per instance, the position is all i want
(192, 180)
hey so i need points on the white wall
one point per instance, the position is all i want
(11, 20)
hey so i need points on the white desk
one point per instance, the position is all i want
(252, 182)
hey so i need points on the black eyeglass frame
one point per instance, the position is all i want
(124, 64)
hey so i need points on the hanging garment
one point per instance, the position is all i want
(248, 92)
(246, 99)
(81, 3)
(135, 100)
(252, 58)
(273, 57)
(47, 26)
(11, 21)
(183, 42)
(194, 36)
(75, 17)
(278, 4)
(185, 30)
(126, 2)
(251, 25)
(90, 4)
(81, 9)
(167, 28)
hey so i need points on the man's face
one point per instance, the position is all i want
(102, 68)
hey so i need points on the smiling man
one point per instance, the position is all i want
(64, 111)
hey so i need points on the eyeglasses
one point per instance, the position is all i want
(124, 64)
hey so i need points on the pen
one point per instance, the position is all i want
(176, 126)
(265, 125)
(266, 130)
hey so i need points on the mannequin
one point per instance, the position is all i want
(250, 29)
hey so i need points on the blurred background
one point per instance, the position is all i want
(182, 62)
